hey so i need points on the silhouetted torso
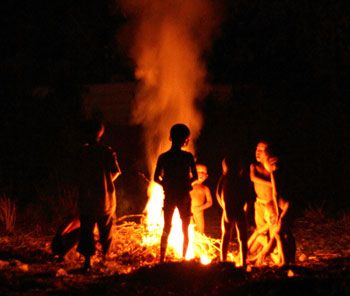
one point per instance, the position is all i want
(97, 191)
(174, 167)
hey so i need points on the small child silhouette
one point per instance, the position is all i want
(175, 172)
(231, 194)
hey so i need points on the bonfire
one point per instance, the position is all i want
(136, 245)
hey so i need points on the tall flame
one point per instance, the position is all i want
(169, 39)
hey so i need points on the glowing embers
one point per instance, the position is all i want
(199, 246)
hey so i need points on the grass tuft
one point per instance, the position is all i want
(8, 213)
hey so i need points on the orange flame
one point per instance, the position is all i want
(169, 39)
(168, 45)
(155, 222)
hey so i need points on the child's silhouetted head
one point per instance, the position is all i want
(234, 165)
(94, 129)
(179, 134)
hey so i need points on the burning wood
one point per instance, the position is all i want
(135, 245)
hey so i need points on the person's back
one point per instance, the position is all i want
(97, 199)
(97, 191)
(176, 166)
(234, 195)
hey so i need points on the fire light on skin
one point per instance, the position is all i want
(170, 38)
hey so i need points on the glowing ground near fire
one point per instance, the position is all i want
(322, 268)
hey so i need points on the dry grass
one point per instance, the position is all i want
(44, 214)
(8, 213)
(315, 211)
(68, 201)
(321, 237)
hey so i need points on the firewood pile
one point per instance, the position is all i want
(135, 246)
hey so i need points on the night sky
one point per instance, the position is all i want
(287, 62)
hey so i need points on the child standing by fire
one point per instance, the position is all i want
(281, 246)
(175, 172)
(264, 207)
(97, 196)
(231, 194)
(201, 198)
(280, 242)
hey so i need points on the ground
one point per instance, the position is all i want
(27, 267)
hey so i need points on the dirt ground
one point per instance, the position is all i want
(27, 267)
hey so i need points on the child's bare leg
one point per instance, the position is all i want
(163, 245)
(242, 239)
(225, 238)
(275, 242)
(259, 244)
(165, 234)
(200, 223)
(224, 246)
(288, 245)
(280, 249)
(252, 239)
(258, 239)
(185, 224)
(253, 242)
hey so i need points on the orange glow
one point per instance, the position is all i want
(168, 40)
(154, 221)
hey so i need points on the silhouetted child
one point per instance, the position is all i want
(201, 198)
(231, 193)
(175, 172)
(97, 196)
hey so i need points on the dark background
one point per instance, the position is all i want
(286, 61)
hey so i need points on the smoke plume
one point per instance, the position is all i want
(168, 40)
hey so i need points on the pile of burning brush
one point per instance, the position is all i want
(135, 246)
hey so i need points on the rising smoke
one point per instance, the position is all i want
(168, 40)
